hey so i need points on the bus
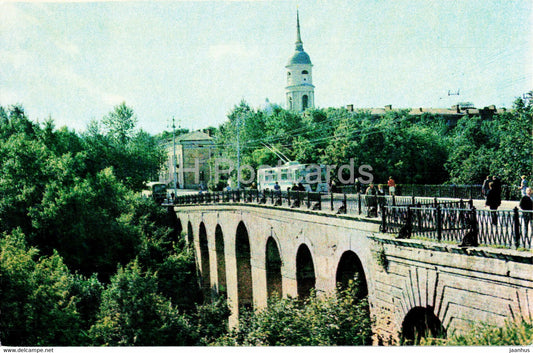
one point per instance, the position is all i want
(312, 177)
(156, 190)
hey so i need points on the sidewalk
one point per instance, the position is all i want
(506, 205)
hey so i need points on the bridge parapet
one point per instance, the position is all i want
(408, 281)
(448, 220)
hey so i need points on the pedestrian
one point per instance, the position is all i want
(381, 197)
(371, 201)
(523, 186)
(497, 186)
(485, 187)
(493, 201)
(277, 188)
(333, 187)
(392, 186)
(526, 204)
(357, 185)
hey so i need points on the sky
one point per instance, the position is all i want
(195, 60)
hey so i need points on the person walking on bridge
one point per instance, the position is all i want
(392, 186)
(493, 201)
(485, 187)
(526, 204)
(523, 186)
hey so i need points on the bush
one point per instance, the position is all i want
(510, 334)
(132, 312)
(340, 319)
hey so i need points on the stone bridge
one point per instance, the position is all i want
(248, 252)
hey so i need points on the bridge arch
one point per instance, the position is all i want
(179, 228)
(305, 271)
(244, 268)
(190, 234)
(351, 268)
(204, 258)
(421, 322)
(221, 261)
(273, 265)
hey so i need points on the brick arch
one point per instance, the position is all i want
(273, 266)
(179, 228)
(421, 322)
(244, 267)
(305, 271)
(220, 260)
(350, 268)
(190, 233)
(204, 258)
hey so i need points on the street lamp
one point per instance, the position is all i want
(238, 152)
(175, 162)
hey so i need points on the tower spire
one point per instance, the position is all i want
(299, 44)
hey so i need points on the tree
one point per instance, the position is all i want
(132, 312)
(338, 319)
(502, 146)
(35, 301)
(120, 123)
(87, 221)
(514, 156)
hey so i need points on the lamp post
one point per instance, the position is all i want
(238, 153)
(175, 162)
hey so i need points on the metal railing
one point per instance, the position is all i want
(407, 216)
(450, 191)
(352, 204)
(467, 227)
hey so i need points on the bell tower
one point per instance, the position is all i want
(300, 92)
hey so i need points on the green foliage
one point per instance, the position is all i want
(501, 146)
(71, 198)
(210, 321)
(340, 319)
(381, 258)
(90, 227)
(178, 280)
(88, 291)
(120, 123)
(415, 149)
(134, 161)
(132, 312)
(510, 334)
(35, 301)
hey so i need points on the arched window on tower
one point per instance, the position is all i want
(290, 103)
(305, 102)
(305, 72)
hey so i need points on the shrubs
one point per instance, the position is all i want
(340, 319)
(510, 334)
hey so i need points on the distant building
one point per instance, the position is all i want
(300, 92)
(193, 151)
(451, 115)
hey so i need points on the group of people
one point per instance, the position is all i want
(374, 203)
(492, 190)
(371, 189)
